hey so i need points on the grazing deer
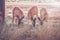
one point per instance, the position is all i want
(32, 14)
(43, 16)
(17, 13)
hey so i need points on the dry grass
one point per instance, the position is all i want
(50, 31)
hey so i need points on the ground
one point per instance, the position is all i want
(49, 31)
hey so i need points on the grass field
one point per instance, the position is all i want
(48, 31)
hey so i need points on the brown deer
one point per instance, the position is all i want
(43, 16)
(18, 14)
(32, 14)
